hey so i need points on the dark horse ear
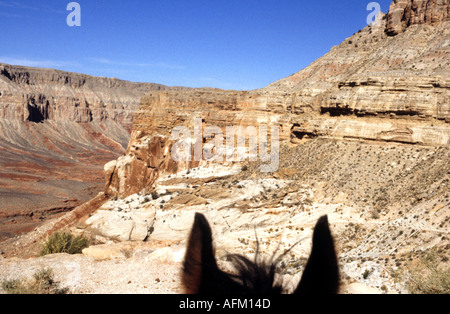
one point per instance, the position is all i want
(199, 266)
(321, 274)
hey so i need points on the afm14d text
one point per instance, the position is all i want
(225, 304)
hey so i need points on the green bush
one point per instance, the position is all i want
(64, 242)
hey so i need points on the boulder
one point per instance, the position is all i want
(122, 226)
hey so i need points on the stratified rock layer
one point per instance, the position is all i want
(373, 74)
(32, 94)
(57, 130)
(378, 85)
(404, 13)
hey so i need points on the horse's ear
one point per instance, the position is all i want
(321, 274)
(199, 261)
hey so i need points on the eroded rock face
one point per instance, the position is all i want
(373, 74)
(57, 130)
(140, 167)
(374, 86)
(404, 13)
(32, 94)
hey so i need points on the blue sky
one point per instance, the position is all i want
(230, 44)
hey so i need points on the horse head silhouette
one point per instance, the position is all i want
(201, 274)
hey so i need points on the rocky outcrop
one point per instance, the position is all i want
(149, 151)
(404, 13)
(373, 86)
(386, 203)
(373, 74)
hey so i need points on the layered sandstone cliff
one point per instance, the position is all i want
(378, 85)
(32, 94)
(404, 13)
(57, 130)
(380, 72)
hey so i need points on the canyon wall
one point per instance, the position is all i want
(36, 95)
(380, 84)
(57, 130)
(380, 72)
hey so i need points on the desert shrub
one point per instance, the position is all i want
(367, 273)
(14, 286)
(42, 283)
(64, 242)
(146, 200)
(375, 214)
(155, 195)
(427, 277)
